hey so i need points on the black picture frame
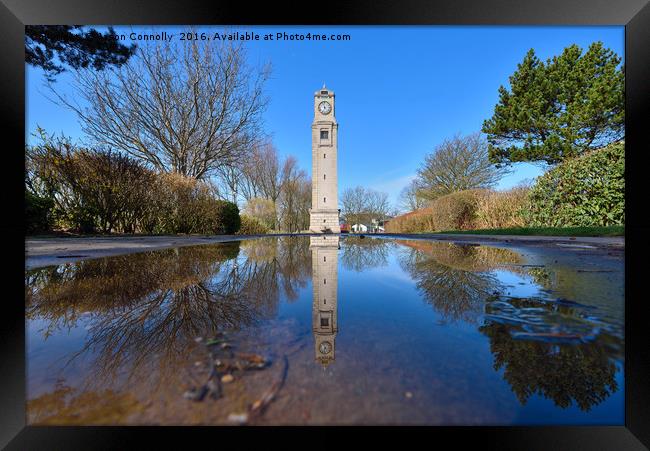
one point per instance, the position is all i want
(633, 14)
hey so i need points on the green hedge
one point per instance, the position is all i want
(585, 191)
(227, 218)
(38, 213)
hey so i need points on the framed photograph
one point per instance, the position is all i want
(342, 214)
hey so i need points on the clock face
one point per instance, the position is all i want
(324, 107)
(325, 347)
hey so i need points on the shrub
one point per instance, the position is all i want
(183, 205)
(227, 218)
(90, 189)
(38, 213)
(588, 190)
(252, 226)
(502, 209)
(263, 210)
(415, 221)
(179, 204)
(456, 211)
(105, 191)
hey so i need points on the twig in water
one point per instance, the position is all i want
(257, 408)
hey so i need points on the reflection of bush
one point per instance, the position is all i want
(466, 257)
(541, 276)
(563, 373)
(364, 253)
(64, 406)
(454, 279)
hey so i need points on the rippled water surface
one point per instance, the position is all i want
(329, 330)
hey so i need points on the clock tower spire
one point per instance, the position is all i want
(324, 212)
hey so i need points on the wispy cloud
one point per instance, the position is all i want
(393, 186)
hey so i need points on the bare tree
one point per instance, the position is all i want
(377, 204)
(411, 198)
(265, 175)
(248, 183)
(188, 108)
(230, 177)
(295, 199)
(363, 205)
(457, 164)
(353, 203)
(267, 171)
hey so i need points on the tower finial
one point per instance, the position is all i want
(324, 85)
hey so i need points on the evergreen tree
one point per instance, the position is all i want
(73, 46)
(559, 109)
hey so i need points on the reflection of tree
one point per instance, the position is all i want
(453, 278)
(156, 303)
(456, 281)
(119, 284)
(364, 253)
(288, 260)
(561, 372)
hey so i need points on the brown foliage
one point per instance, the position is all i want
(456, 211)
(466, 210)
(108, 192)
(502, 209)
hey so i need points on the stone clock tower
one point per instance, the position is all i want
(324, 212)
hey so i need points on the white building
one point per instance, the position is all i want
(359, 228)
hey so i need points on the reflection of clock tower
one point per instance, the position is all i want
(324, 213)
(324, 259)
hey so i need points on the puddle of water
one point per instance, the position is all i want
(327, 330)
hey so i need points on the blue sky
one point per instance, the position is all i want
(399, 90)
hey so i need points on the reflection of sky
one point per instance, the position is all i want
(391, 275)
(47, 357)
(517, 285)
